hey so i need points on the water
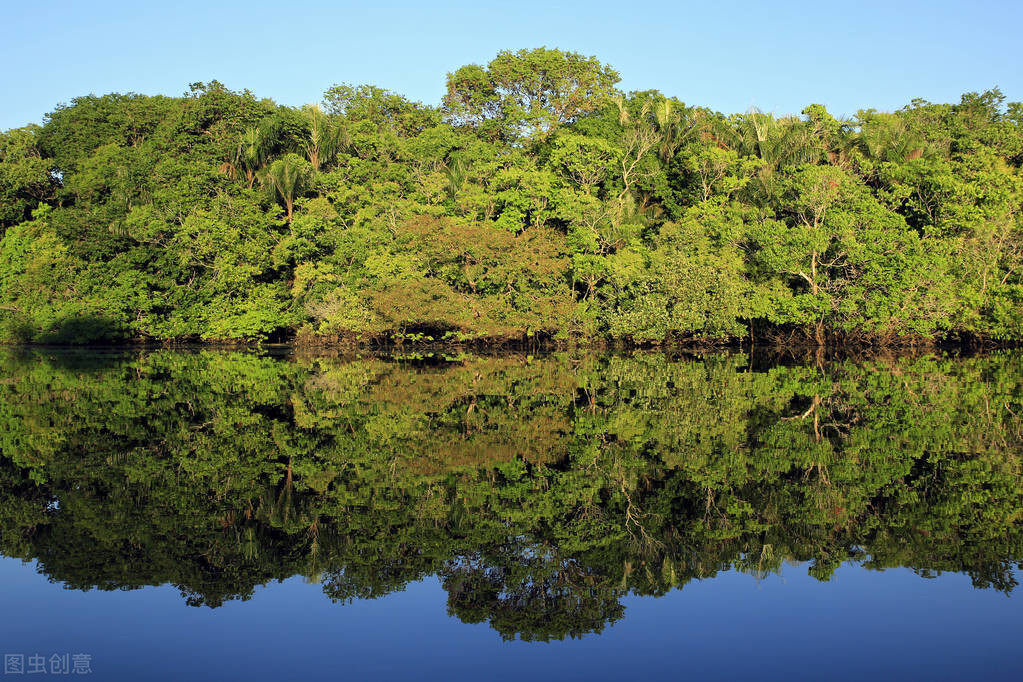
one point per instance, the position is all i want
(211, 515)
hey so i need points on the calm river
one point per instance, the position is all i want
(175, 515)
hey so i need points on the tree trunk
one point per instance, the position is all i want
(813, 272)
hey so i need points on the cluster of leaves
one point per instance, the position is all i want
(536, 202)
(541, 490)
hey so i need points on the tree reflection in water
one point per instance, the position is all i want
(540, 490)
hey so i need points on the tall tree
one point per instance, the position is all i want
(287, 178)
(528, 93)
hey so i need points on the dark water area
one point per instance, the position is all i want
(213, 514)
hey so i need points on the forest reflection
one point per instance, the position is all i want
(539, 490)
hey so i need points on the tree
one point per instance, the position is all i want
(25, 178)
(380, 108)
(777, 142)
(539, 489)
(528, 93)
(324, 137)
(252, 153)
(288, 178)
(538, 202)
(586, 160)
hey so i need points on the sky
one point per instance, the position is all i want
(729, 56)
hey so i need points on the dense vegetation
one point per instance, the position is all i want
(541, 490)
(537, 202)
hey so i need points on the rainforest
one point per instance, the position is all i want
(537, 203)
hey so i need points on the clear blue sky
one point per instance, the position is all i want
(778, 56)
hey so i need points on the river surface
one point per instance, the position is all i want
(210, 514)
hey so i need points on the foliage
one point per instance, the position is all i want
(541, 490)
(538, 204)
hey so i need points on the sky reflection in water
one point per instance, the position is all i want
(395, 517)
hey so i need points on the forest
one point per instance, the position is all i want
(540, 490)
(537, 203)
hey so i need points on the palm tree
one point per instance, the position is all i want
(676, 123)
(888, 137)
(777, 142)
(456, 171)
(252, 153)
(287, 178)
(834, 135)
(325, 137)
